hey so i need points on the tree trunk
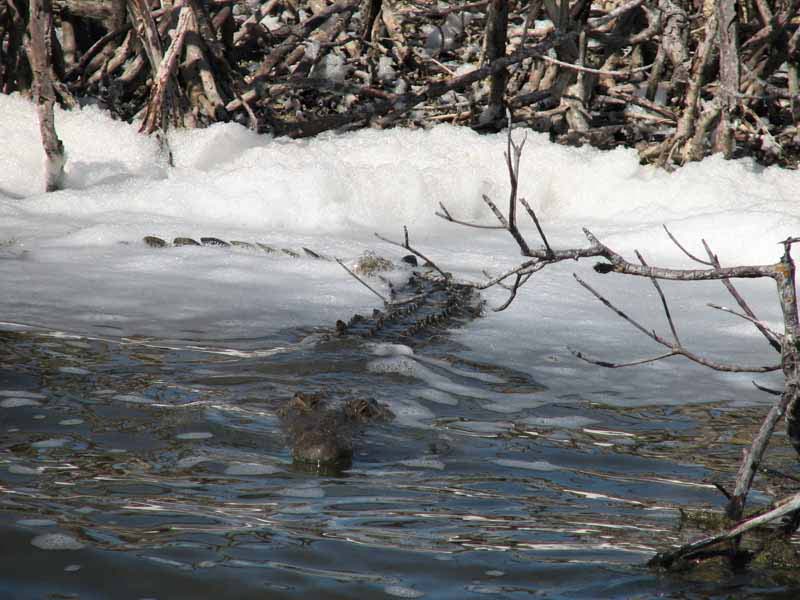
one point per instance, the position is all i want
(494, 48)
(41, 56)
(728, 33)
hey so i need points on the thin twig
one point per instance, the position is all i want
(522, 279)
(362, 282)
(766, 389)
(756, 322)
(723, 491)
(676, 348)
(651, 334)
(574, 67)
(496, 211)
(499, 284)
(684, 250)
(445, 214)
(530, 266)
(535, 220)
(754, 454)
(773, 339)
(611, 365)
(415, 252)
(663, 301)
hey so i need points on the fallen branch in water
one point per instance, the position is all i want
(787, 343)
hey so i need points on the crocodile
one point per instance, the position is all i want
(157, 242)
(416, 310)
(423, 303)
(321, 435)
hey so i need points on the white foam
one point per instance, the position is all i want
(132, 398)
(195, 435)
(423, 463)
(21, 394)
(484, 428)
(36, 522)
(399, 591)
(303, 491)
(50, 443)
(56, 541)
(18, 402)
(558, 422)
(409, 367)
(23, 470)
(385, 349)
(537, 465)
(251, 469)
(409, 413)
(437, 396)
(190, 461)
(74, 370)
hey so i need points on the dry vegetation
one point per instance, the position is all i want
(676, 79)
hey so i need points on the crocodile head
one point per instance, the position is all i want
(321, 436)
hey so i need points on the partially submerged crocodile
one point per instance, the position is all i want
(321, 435)
(417, 309)
(423, 304)
(157, 242)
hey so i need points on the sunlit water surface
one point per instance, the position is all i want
(156, 468)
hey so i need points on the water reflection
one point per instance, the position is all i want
(163, 460)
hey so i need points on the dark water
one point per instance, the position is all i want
(159, 469)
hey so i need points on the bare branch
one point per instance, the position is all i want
(530, 266)
(723, 491)
(663, 301)
(499, 284)
(611, 365)
(766, 389)
(684, 250)
(535, 220)
(362, 282)
(620, 265)
(496, 211)
(613, 14)
(773, 339)
(747, 470)
(676, 348)
(786, 506)
(40, 55)
(574, 67)
(522, 279)
(651, 334)
(445, 214)
(756, 322)
(415, 252)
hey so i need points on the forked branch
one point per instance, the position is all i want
(787, 343)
